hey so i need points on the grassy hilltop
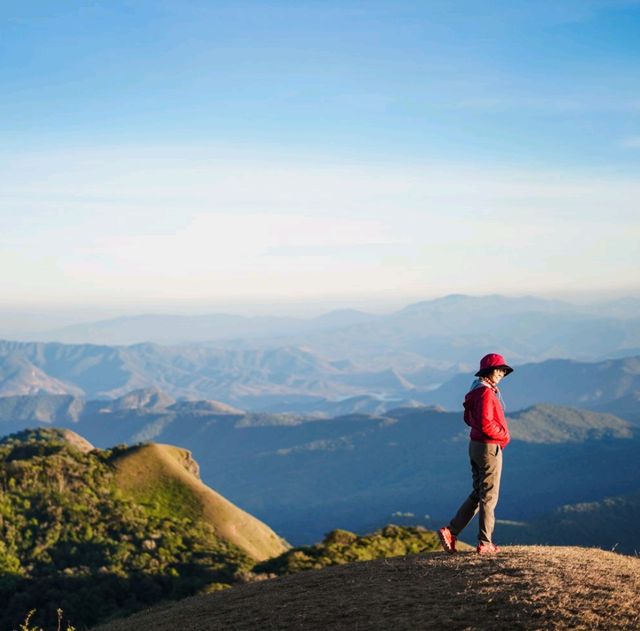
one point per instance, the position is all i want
(522, 588)
(166, 479)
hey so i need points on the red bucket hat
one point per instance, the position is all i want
(491, 361)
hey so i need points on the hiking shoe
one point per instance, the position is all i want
(487, 548)
(447, 540)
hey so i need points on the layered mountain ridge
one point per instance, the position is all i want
(295, 380)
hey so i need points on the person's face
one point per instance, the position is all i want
(497, 374)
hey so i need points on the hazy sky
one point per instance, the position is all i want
(169, 154)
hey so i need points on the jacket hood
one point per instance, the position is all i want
(480, 383)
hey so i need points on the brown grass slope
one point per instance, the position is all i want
(167, 479)
(522, 588)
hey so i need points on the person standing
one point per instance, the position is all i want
(484, 413)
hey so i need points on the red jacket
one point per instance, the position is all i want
(483, 412)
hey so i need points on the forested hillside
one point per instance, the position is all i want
(70, 538)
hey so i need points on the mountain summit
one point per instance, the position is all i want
(521, 588)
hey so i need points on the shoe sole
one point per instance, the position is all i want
(485, 552)
(445, 545)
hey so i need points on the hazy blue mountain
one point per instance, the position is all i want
(319, 407)
(297, 380)
(432, 339)
(172, 329)
(550, 424)
(197, 371)
(341, 318)
(627, 407)
(313, 366)
(455, 334)
(19, 375)
(611, 523)
(185, 329)
(628, 307)
(280, 379)
(22, 411)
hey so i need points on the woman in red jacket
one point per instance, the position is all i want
(484, 413)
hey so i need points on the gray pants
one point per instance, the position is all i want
(486, 467)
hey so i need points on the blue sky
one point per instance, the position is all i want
(192, 154)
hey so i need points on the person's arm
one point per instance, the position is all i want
(491, 416)
(468, 418)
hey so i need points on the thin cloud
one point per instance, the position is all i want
(183, 225)
(632, 142)
(552, 103)
(231, 242)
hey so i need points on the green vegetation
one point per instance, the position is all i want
(70, 539)
(164, 479)
(342, 546)
(143, 477)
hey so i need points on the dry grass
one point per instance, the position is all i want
(149, 471)
(525, 587)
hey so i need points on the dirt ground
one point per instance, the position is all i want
(524, 587)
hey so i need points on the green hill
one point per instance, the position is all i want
(71, 537)
(165, 479)
(555, 424)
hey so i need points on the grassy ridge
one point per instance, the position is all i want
(164, 479)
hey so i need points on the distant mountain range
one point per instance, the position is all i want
(296, 380)
(342, 421)
(196, 371)
(445, 334)
(179, 329)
